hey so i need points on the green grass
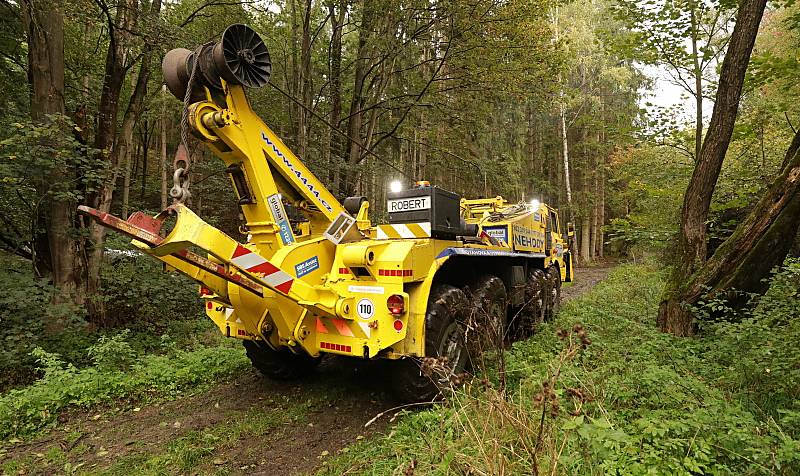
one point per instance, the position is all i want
(27, 411)
(52, 360)
(137, 296)
(635, 401)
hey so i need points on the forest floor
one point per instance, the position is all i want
(246, 426)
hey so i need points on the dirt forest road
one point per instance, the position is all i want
(247, 426)
(586, 278)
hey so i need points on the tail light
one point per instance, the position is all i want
(396, 304)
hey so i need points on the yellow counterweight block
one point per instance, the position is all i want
(378, 280)
(289, 322)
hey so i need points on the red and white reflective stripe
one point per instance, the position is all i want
(321, 327)
(254, 263)
(342, 327)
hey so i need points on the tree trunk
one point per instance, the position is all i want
(673, 316)
(293, 82)
(334, 150)
(44, 28)
(554, 171)
(355, 121)
(163, 157)
(698, 87)
(586, 233)
(602, 197)
(758, 244)
(595, 212)
(303, 77)
(131, 117)
(530, 141)
(148, 135)
(565, 155)
(563, 124)
(540, 152)
(105, 138)
(380, 83)
(601, 210)
(126, 184)
(54, 251)
(583, 179)
(132, 114)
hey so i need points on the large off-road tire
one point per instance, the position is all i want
(486, 329)
(553, 290)
(279, 364)
(446, 355)
(533, 312)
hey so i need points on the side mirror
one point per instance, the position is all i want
(570, 230)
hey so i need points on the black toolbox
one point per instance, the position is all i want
(439, 207)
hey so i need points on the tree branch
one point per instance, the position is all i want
(202, 7)
(419, 96)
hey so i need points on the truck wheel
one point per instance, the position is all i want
(446, 355)
(535, 301)
(553, 290)
(279, 364)
(487, 323)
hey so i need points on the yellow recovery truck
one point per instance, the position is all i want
(315, 275)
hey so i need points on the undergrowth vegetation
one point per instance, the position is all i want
(119, 373)
(138, 296)
(634, 401)
(52, 361)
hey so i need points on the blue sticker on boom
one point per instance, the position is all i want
(279, 215)
(307, 266)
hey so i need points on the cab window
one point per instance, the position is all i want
(555, 226)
